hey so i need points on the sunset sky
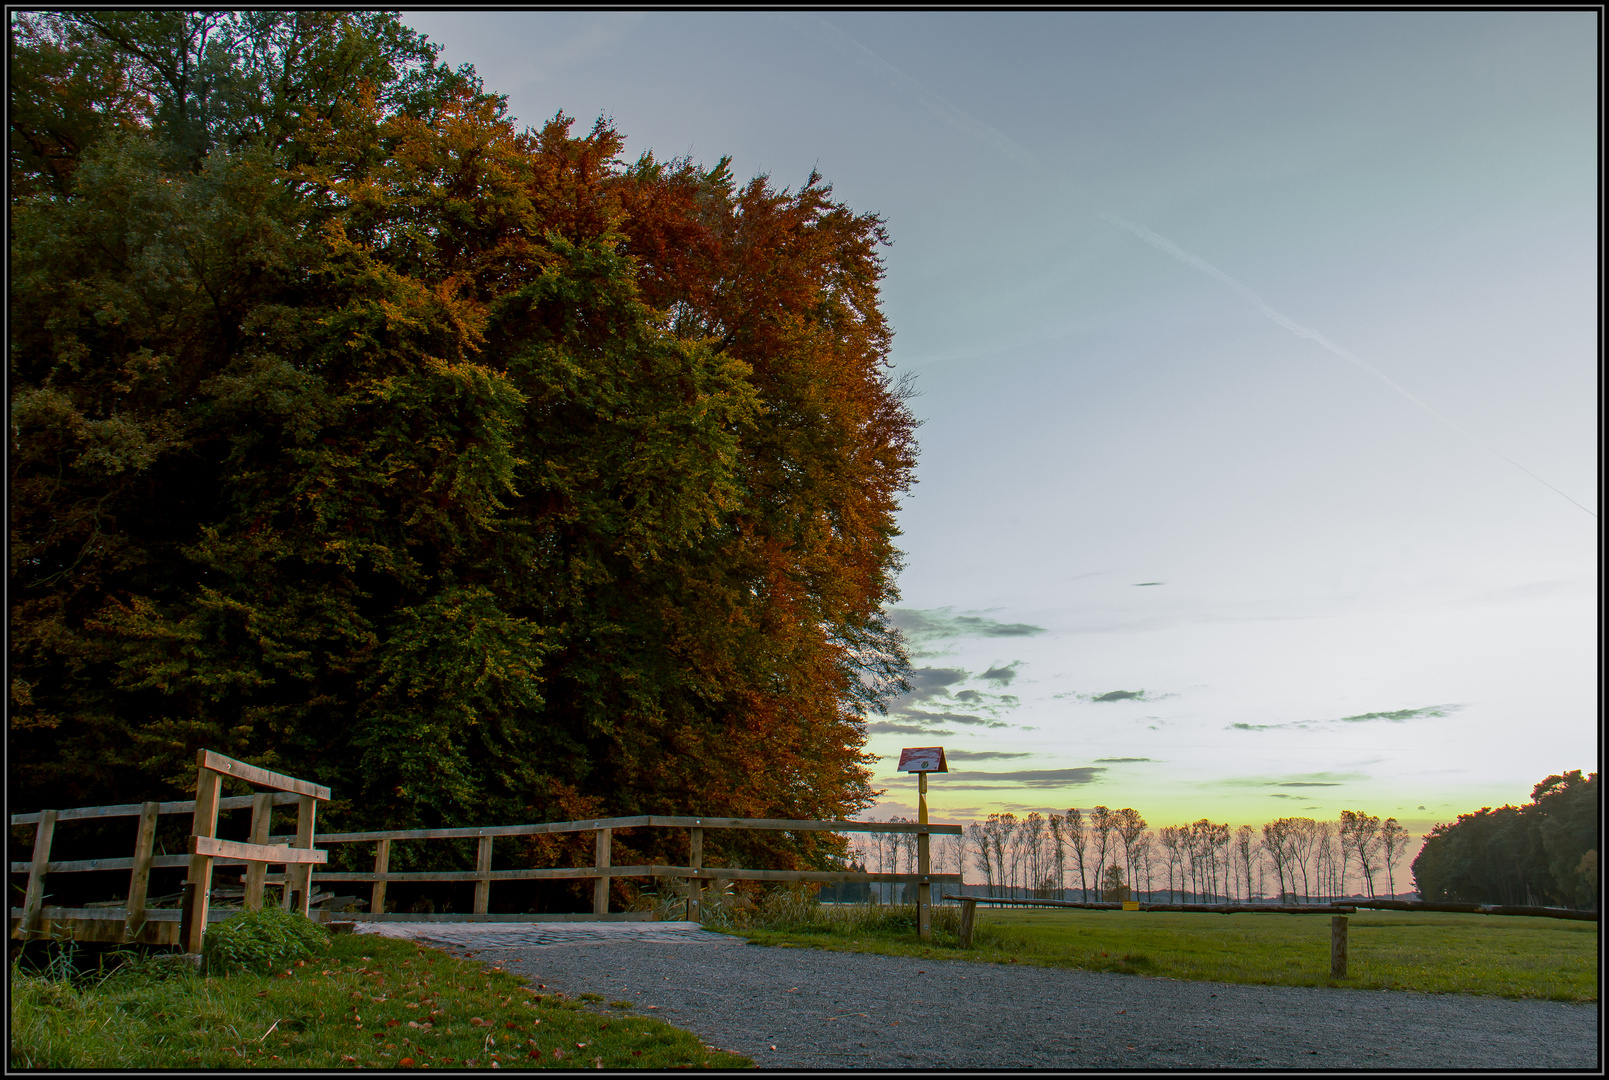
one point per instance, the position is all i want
(1257, 360)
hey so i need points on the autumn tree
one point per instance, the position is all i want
(1078, 839)
(468, 470)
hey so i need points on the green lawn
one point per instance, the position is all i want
(371, 1003)
(1503, 956)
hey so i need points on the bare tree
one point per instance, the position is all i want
(1100, 823)
(1276, 841)
(1058, 838)
(1246, 845)
(1364, 832)
(1129, 826)
(1142, 853)
(1303, 838)
(977, 837)
(1395, 840)
(1172, 840)
(1078, 839)
(1033, 836)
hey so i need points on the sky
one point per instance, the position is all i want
(1257, 367)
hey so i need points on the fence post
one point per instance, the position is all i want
(924, 889)
(34, 898)
(139, 880)
(299, 876)
(483, 865)
(695, 886)
(262, 810)
(382, 863)
(969, 909)
(1338, 946)
(198, 886)
(600, 888)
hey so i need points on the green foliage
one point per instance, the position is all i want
(466, 470)
(263, 941)
(1519, 855)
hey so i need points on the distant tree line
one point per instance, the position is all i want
(1113, 854)
(1545, 852)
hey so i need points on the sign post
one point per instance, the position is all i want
(922, 760)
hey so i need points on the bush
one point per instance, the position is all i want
(262, 941)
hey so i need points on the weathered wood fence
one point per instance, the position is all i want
(135, 921)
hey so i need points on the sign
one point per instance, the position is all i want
(923, 759)
(1131, 905)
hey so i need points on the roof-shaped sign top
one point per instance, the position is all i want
(923, 759)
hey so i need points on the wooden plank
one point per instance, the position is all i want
(140, 870)
(1338, 947)
(555, 874)
(483, 864)
(262, 853)
(198, 886)
(262, 812)
(1214, 909)
(541, 828)
(255, 774)
(695, 887)
(603, 843)
(299, 877)
(969, 911)
(924, 890)
(382, 861)
(34, 897)
(82, 813)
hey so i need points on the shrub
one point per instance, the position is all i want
(261, 941)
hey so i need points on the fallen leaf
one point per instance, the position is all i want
(405, 1062)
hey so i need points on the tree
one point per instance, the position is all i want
(1102, 827)
(464, 469)
(1113, 887)
(1130, 827)
(1246, 846)
(1078, 839)
(1362, 832)
(1516, 855)
(1394, 841)
(1058, 838)
(1173, 841)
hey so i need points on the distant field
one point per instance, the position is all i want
(1504, 956)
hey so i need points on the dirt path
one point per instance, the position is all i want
(813, 1009)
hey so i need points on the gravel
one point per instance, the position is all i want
(814, 1009)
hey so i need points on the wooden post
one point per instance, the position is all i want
(34, 899)
(299, 876)
(262, 810)
(924, 888)
(969, 909)
(139, 881)
(695, 886)
(198, 886)
(382, 863)
(1338, 946)
(600, 888)
(483, 864)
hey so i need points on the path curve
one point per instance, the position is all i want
(815, 1009)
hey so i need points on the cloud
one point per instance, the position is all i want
(1033, 777)
(1120, 695)
(1310, 783)
(883, 727)
(983, 755)
(923, 717)
(1317, 779)
(1395, 716)
(1001, 675)
(940, 624)
(1399, 715)
(1121, 760)
(930, 682)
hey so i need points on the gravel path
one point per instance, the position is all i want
(814, 1009)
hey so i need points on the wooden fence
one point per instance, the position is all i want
(135, 920)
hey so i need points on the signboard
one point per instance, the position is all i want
(923, 759)
(1131, 905)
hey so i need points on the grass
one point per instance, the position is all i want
(1429, 952)
(372, 1002)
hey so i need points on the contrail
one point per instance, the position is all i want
(954, 117)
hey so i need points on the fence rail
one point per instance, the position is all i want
(303, 862)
